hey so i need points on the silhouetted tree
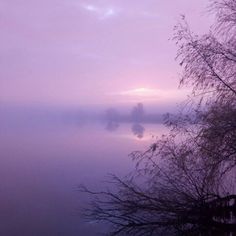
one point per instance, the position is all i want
(137, 113)
(209, 67)
(162, 196)
(181, 183)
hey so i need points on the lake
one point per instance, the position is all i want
(43, 162)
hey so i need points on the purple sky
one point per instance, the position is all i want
(75, 52)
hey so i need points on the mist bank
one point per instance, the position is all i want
(37, 115)
(137, 114)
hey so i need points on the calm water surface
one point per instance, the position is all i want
(42, 163)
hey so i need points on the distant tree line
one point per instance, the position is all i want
(137, 115)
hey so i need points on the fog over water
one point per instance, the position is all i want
(46, 155)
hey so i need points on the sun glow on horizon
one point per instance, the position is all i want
(152, 94)
(142, 92)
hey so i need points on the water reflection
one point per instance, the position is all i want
(138, 130)
(112, 126)
(45, 155)
(134, 118)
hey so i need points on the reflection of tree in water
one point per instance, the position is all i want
(138, 130)
(112, 126)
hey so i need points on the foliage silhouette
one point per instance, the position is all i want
(184, 183)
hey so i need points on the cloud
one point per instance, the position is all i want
(152, 94)
(143, 92)
(91, 8)
(101, 12)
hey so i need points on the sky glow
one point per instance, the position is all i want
(102, 13)
(72, 53)
(152, 95)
